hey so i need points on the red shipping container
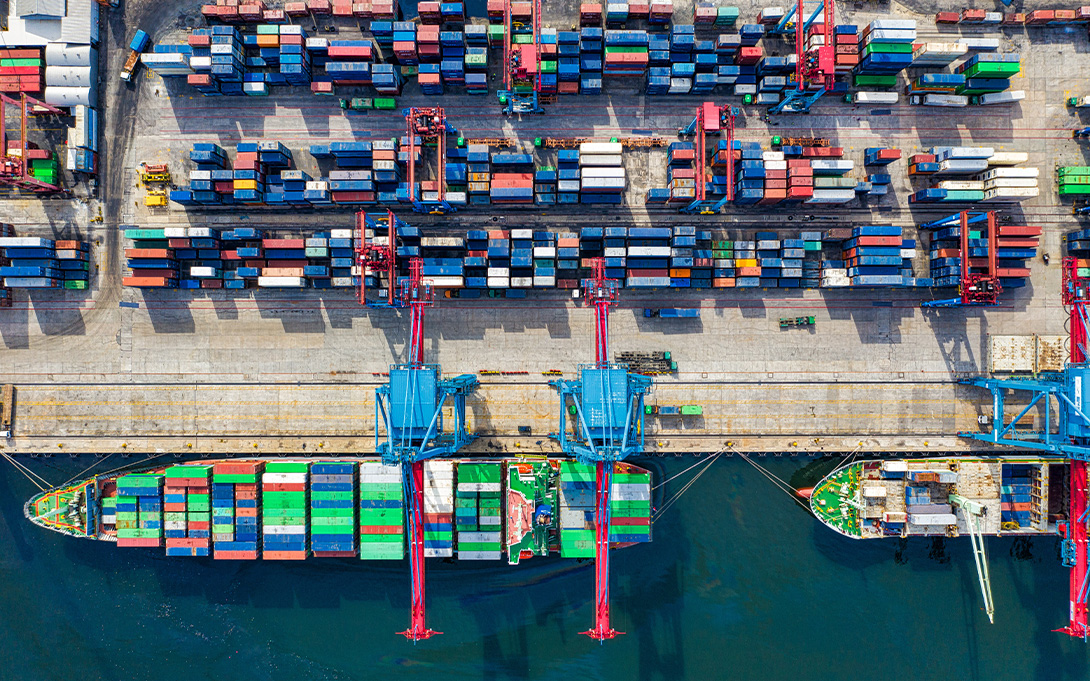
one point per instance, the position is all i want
(198, 525)
(1040, 16)
(149, 253)
(138, 542)
(774, 184)
(616, 520)
(1014, 19)
(796, 192)
(174, 507)
(969, 16)
(947, 18)
(775, 174)
(749, 55)
(381, 529)
(342, 9)
(1021, 230)
(437, 517)
(682, 174)
(1012, 271)
(334, 554)
(1017, 243)
(291, 39)
(1063, 16)
(682, 155)
(235, 555)
(283, 243)
(285, 555)
(211, 283)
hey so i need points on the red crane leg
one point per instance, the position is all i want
(602, 629)
(1077, 528)
(418, 630)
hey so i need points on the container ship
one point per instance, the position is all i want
(293, 509)
(1006, 495)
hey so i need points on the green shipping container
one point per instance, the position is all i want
(287, 467)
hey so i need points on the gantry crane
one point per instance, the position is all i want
(975, 288)
(377, 255)
(974, 512)
(607, 402)
(409, 429)
(15, 172)
(1068, 437)
(815, 68)
(710, 118)
(521, 67)
(428, 123)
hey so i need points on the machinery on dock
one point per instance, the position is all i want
(430, 124)
(376, 255)
(710, 118)
(15, 171)
(1068, 435)
(979, 284)
(815, 52)
(409, 429)
(607, 404)
(521, 91)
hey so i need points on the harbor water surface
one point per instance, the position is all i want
(739, 582)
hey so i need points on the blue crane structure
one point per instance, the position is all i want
(974, 288)
(815, 66)
(607, 403)
(428, 123)
(521, 67)
(1067, 435)
(409, 429)
(710, 118)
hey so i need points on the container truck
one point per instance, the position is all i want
(139, 44)
(672, 313)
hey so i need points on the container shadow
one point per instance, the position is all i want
(168, 311)
(15, 328)
(56, 321)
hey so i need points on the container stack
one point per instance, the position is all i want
(21, 70)
(444, 261)
(187, 518)
(650, 261)
(382, 512)
(477, 511)
(499, 259)
(512, 179)
(234, 509)
(577, 537)
(348, 62)
(987, 74)
(140, 510)
(478, 163)
(723, 270)
(438, 509)
(544, 259)
(476, 260)
(31, 262)
(926, 55)
(885, 49)
(872, 256)
(1017, 244)
(284, 515)
(522, 258)
(602, 173)
(82, 156)
(627, 54)
(1073, 180)
(151, 261)
(567, 264)
(333, 509)
(1016, 494)
(630, 506)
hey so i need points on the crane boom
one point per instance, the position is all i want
(974, 511)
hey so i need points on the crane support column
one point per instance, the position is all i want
(604, 481)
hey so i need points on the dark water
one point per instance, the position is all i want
(739, 583)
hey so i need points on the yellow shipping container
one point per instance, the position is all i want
(245, 184)
(745, 262)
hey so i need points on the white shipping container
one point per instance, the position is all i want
(831, 166)
(1011, 172)
(1007, 97)
(892, 35)
(745, 89)
(945, 100)
(176, 232)
(961, 185)
(1010, 194)
(522, 282)
(963, 166)
(601, 172)
(499, 272)
(648, 251)
(908, 252)
(831, 196)
(283, 529)
(284, 478)
(876, 97)
(613, 183)
(895, 24)
(379, 468)
(544, 282)
(992, 18)
(199, 271)
(767, 156)
(1007, 158)
(198, 175)
(775, 165)
(614, 252)
(1005, 182)
(341, 282)
(932, 519)
(522, 234)
(317, 44)
(600, 148)
(443, 281)
(478, 487)
(612, 160)
(626, 492)
(317, 186)
(982, 44)
(544, 251)
(438, 553)
(498, 282)
(341, 234)
(200, 63)
(281, 282)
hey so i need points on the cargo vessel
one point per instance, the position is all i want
(293, 509)
(1007, 495)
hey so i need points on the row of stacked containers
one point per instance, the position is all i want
(289, 510)
(518, 259)
(571, 62)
